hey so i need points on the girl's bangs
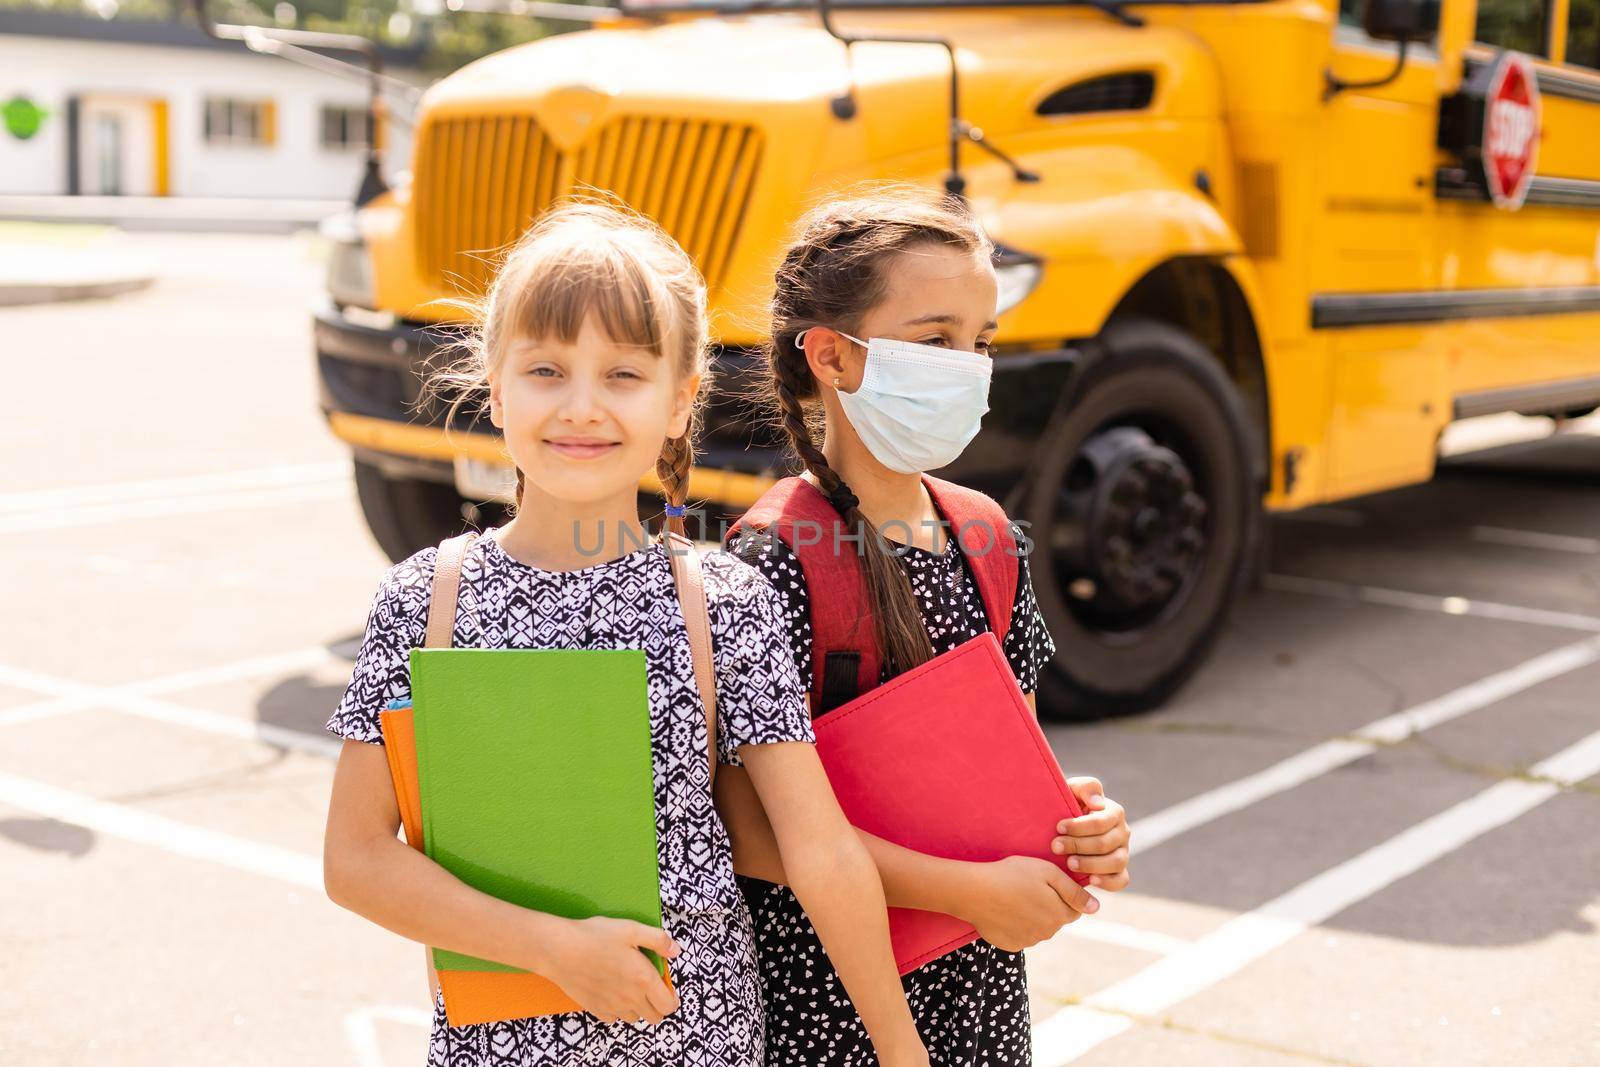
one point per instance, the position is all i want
(551, 296)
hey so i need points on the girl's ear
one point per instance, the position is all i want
(497, 414)
(826, 350)
(683, 406)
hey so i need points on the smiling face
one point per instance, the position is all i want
(584, 420)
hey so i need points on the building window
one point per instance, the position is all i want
(1583, 33)
(240, 122)
(1518, 25)
(344, 127)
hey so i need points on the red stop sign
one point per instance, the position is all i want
(1511, 130)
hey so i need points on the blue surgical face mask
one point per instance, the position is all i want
(918, 405)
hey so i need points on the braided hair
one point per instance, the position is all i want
(833, 275)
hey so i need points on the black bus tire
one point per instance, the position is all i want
(1153, 404)
(407, 514)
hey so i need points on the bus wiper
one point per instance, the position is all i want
(1115, 9)
(975, 135)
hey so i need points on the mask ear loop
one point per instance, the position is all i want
(800, 338)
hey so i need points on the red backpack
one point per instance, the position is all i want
(845, 656)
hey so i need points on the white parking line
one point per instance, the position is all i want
(164, 488)
(1444, 605)
(76, 696)
(129, 700)
(1074, 1031)
(1186, 967)
(32, 521)
(169, 835)
(1534, 539)
(1094, 928)
(300, 659)
(1300, 768)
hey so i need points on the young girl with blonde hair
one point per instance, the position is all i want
(592, 350)
(882, 320)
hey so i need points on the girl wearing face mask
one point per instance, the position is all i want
(882, 319)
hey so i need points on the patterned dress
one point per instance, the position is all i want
(627, 602)
(971, 1006)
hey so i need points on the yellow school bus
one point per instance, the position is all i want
(1253, 255)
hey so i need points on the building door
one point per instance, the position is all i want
(121, 148)
(108, 153)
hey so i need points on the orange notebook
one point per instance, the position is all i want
(470, 997)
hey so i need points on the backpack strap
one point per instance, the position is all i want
(440, 633)
(845, 657)
(844, 648)
(983, 533)
(689, 578)
(446, 589)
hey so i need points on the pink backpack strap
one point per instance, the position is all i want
(844, 648)
(981, 528)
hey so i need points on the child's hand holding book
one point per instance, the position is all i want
(597, 963)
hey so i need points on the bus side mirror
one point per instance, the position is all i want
(1401, 20)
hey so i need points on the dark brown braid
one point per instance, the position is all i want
(672, 470)
(833, 275)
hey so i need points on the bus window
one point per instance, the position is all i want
(1353, 13)
(1583, 33)
(1515, 24)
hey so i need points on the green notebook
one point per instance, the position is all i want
(536, 780)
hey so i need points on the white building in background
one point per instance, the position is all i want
(107, 107)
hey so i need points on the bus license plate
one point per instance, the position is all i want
(478, 479)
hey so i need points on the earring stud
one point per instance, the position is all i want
(838, 381)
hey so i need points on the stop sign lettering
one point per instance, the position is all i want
(1511, 130)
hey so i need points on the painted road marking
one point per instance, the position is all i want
(32, 521)
(126, 700)
(1444, 605)
(1533, 539)
(169, 835)
(303, 659)
(1075, 1030)
(166, 488)
(1494, 535)
(1207, 807)
(1106, 932)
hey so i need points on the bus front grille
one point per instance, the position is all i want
(480, 182)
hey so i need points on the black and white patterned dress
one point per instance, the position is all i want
(627, 602)
(971, 1006)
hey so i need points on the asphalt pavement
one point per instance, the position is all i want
(1364, 834)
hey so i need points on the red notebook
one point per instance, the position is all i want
(947, 759)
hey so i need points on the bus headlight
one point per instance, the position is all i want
(1017, 273)
(349, 263)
